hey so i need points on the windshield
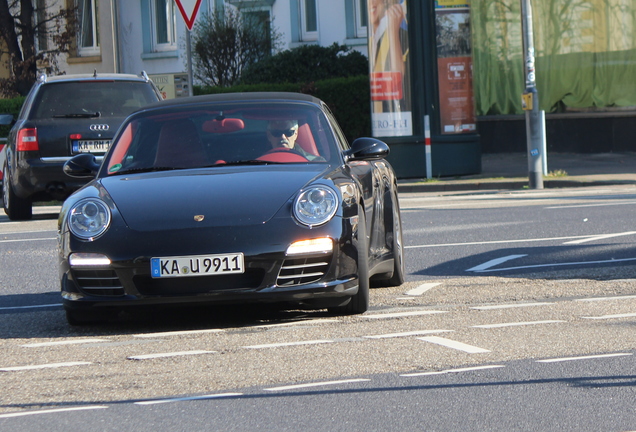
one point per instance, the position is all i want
(91, 99)
(221, 134)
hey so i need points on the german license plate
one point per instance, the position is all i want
(91, 146)
(200, 265)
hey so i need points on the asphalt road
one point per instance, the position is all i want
(518, 314)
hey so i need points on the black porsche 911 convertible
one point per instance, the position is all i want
(235, 198)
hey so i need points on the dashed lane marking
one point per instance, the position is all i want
(512, 324)
(287, 344)
(454, 344)
(625, 315)
(401, 314)
(30, 307)
(317, 384)
(52, 411)
(514, 305)
(191, 398)
(591, 299)
(43, 366)
(176, 333)
(406, 334)
(467, 369)
(563, 359)
(68, 342)
(170, 354)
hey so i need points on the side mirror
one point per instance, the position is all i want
(6, 119)
(81, 166)
(367, 149)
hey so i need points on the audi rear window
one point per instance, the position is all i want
(91, 99)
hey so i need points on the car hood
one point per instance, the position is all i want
(231, 196)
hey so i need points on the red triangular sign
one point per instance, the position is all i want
(189, 10)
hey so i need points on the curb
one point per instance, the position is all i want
(458, 185)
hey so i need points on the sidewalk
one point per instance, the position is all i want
(510, 171)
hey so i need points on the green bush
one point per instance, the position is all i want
(10, 106)
(348, 99)
(305, 64)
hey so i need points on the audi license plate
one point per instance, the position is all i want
(200, 265)
(91, 146)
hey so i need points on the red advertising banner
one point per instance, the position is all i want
(454, 67)
(386, 86)
(457, 113)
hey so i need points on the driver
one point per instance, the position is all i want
(283, 133)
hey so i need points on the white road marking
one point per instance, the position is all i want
(287, 344)
(317, 384)
(467, 369)
(287, 324)
(401, 314)
(422, 289)
(52, 411)
(494, 262)
(507, 306)
(590, 205)
(626, 297)
(27, 240)
(560, 264)
(68, 342)
(30, 307)
(512, 324)
(454, 344)
(192, 398)
(547, 239)
(177, 333)
(625, 315)
(43, 366)
(170, 354)
(554, 360)
(600, 237)
(406, 334)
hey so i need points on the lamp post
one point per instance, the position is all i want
(535, 136)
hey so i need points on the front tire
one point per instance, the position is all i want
(15, 207)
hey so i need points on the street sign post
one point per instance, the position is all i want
(189, 10)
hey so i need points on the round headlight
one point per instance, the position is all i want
(89, 218)
(316, 205)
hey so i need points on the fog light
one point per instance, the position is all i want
(88, 259)
(320, 245)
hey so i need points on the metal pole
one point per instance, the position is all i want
(535, 140)
(189, 56)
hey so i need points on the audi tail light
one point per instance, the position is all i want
(27, 140)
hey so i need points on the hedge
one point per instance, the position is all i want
(348, 99)
(10, 106)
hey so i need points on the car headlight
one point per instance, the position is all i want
(316, 205)
(89, 218)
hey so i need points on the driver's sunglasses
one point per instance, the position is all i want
(278, 132)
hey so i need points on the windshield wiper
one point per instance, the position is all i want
(79, 115)
(243, 162)
(144, 170)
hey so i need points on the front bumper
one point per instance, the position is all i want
(312, 280)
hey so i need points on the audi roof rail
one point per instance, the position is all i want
(144, 75)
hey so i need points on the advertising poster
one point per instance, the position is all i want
(389, 68)
(454, 66)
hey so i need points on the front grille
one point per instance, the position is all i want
(147, 285)
(99, 282)
(299, 271)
